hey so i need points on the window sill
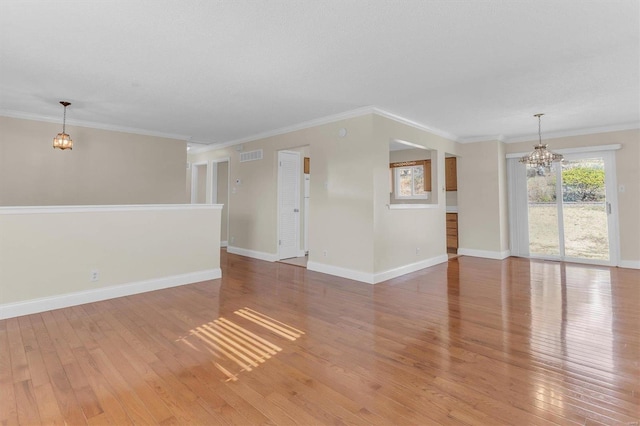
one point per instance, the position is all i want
(411, 206)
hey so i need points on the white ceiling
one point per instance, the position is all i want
(219, 71)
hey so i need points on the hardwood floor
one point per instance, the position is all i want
(472, 341)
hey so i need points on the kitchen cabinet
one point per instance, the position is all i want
(427, 175)
(451, 174)
(452, 232)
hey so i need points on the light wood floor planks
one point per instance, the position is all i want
(473, 341)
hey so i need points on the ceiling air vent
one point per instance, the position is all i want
(251, 155)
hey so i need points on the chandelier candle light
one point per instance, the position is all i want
(62, 140)
(540, 156)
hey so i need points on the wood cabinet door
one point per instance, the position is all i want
(452, 230)
(427, 175)
(451, 174)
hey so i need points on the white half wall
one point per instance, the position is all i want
(49, 254)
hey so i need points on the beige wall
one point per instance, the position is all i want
(104, 167)
(341, 192)
(49, 253)
(482, 198)
(409, 155)
(627, 174)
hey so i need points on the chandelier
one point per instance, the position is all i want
(540, 156)
(62, 140)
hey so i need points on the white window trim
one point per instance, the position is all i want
(396, 192)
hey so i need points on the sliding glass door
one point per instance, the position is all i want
(568, 209)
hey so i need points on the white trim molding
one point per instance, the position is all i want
(224, 243)
(338, 271)
(415, 124)
(107, 208)
(498, 255)
(15, 309)
(269, 257)
(597, 148)
(378, 277)
(576, 132)
(93, 125)
(631, 264)
(359, 112)
(407, 269)
(295, 127)
(413, 206)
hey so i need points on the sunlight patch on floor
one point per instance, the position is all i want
(270, 324)
(228, 341)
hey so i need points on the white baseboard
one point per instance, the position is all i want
(377, 277)
(499, 255)
(340, 272)
(269, 257)
(632, 264)
(406, 269)
(16, 309)
(224, 243)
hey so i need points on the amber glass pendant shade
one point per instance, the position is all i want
(62, 140)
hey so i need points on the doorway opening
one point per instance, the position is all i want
(199, 183)
(220, 194)
(293, 205)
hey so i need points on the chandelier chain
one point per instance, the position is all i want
(539, 128)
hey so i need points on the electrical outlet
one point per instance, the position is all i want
(94, 275)
(233, 240)
(417, 250)
(324, 253)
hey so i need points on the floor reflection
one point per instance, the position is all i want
(571, 315)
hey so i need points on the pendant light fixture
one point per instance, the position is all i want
(540, 156)
(62, 140)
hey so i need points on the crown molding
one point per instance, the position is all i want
(92, 125)
(300, 126)
(597, 148)
(577, 132)
(415, 124)
(499, 138)
(358, 112)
